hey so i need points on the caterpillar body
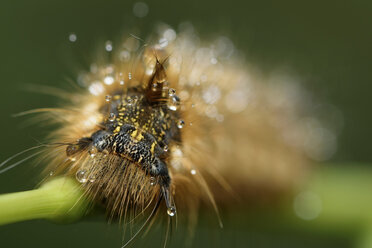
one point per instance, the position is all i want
(180, 122)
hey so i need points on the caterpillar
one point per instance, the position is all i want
(174, 123)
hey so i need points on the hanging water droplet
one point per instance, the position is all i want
(51, 173)
(171, 211)
(81, 176)
(152, 181)
(193, 172)
(108, 98)
(112, 117)
(130, 75)
(180, 123)
(171, 92)
(165, 148)
(93, 151)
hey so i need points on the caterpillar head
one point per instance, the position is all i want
(131, 144)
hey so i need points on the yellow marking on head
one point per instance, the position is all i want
(117, 129)
(152, 150)
(137, 135)
(134, 133)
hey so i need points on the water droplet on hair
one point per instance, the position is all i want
(51, 173)
(92, 178)
(108, 98)
(112, 117)
(121, 79)
(165, 148)
(171, 92)
(193, 172)
(180, 123)
(81, 176)
(171, 211)
(108, 46)
(152, 181)
(72, 37)
(129, 101)
(174, 103)
(93, 152)
(105, 152)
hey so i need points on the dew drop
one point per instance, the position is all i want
(121, 79)
(81, 176)
(51, 173)
(96, 88)
(129, 101)
(140, 9)
(163, 42)
(171, 92)
(130, 75)
(92, 178)
(105, 152)
(72, 37)
(180, 123)
(124, 56)
(193, 172)
(165, 148)
(108, 98)
(112, 117)
(93, 152)
(174, 103)
(108, 46)
(108, 80)
(152, 181)
(171, 211)
(213, 61)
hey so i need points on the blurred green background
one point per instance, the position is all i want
(327, 44)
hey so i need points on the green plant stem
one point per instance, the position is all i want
(60, 199)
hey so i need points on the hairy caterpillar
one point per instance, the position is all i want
(224, 132)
